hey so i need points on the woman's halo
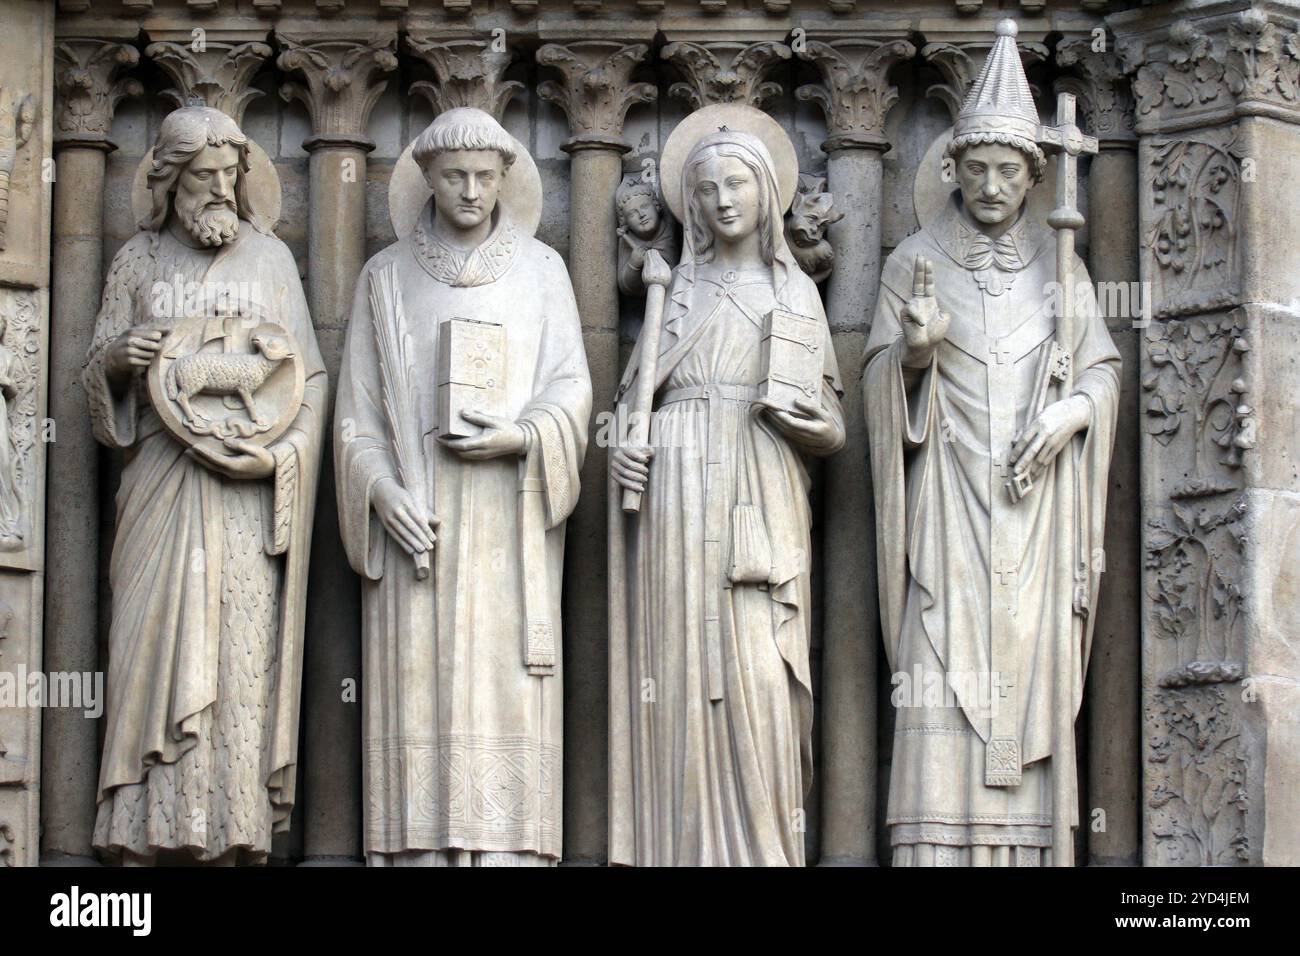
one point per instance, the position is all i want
(732, 116)
(521, 192)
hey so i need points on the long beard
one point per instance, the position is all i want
(211, 226)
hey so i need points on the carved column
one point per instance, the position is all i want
(87, 87)
(218, 72)
(26, 130)
(855, 95)
(725, 71)
(1219, 129)
(1113, 687)
(343, 79)
(468, 72)
(594, 90)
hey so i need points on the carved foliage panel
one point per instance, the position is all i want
(1199, 431)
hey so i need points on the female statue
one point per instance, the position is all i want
(711, 696)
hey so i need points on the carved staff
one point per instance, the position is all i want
(656, 276)
(401, 400)
(1068, 141)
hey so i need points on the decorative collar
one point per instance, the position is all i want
(974, 251)
(485, 263)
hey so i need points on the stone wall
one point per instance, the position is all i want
(864, 90)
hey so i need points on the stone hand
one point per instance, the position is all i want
(400, 516)
(245, 460)
(1047, 434)
(500, 436)
(656, 271)
(814, 429)
(132, 351)
(924, 325)
(630, 466)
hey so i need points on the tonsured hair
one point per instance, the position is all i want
(463, 128)
(701, 236)
(183, 135)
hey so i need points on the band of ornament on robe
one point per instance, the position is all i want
(461, 722)
(968, 577)
(666, 810)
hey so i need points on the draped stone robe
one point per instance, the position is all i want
(209, 580)
(462, 740)
(972, 591)
(711, 692)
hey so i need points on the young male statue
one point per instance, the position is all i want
(209, 566)
(988, 548)
(461, 424)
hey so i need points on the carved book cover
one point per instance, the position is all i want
(471, 373)
(792, 358)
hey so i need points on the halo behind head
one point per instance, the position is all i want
(719, 119)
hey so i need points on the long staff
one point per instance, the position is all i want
(648, 369)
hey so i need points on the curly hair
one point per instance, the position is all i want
(1037, 159)
(183, 134)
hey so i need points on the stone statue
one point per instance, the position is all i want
(209, 565)
(811, 215)
(711, 695)
(642, 225)
(461, 426)
(990, 481)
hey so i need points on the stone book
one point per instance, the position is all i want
(471, 373)
(793, 362)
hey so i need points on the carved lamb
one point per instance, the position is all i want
(218, 373)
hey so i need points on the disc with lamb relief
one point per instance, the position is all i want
(223, 378)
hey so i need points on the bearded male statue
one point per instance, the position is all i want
(209, 563)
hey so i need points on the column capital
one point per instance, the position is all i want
(216, 71)
(1197, 72)
(343, 83)
(855, 93)
(725, 71)
(595, 89)
(1101, 88)
(87, 89)
(960, 62)
(469, 73)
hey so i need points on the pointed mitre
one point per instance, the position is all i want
(999, 103)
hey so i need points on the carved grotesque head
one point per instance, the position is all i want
(199, 165)
(639, 211)
(995, 174)
(465, 155)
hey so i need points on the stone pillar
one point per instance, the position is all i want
(468, 72)
(594, 90)
(1113, 692)
(343, 81)
(26, 134)
(1219, 148)
(87, 89)
(855, 96)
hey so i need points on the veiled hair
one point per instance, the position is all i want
(183, 135)
(463, 128)
(702, 238)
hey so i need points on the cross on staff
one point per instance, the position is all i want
(1068, 142)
